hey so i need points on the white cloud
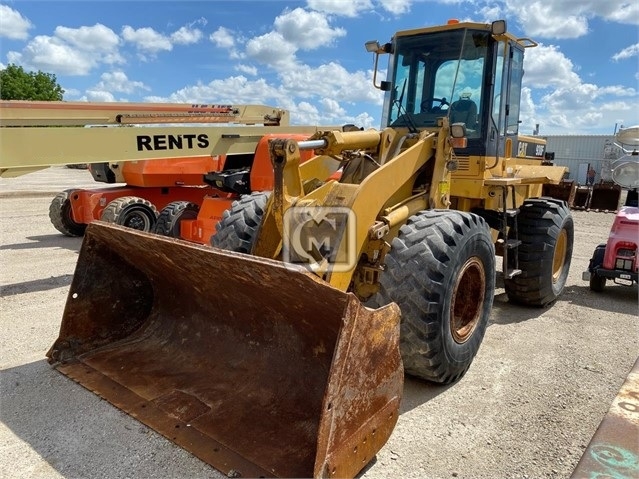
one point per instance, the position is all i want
(13, 25)
(189, 34)
(223, 38)
(51, 54)
(364, 120)
(546, 66)
(97, 38)
(294, 30)
(353, 8)
(628, 52)
(618, 107)
(98, 95)
(147, 40)
(118, 81)
(306, 30)
(307, 114)
(331, 113)
(292, 97)
(490, 13)
(585, 106)
(567, 18)
(332, 108)
(186, 36)
(271, 49)
(337, 83)
(297, 88)
(248, 69)
(150, 42)
(346, 8)
(396, 7)
(534, 18)
(527, 111)
(70, 93)
(71, 51)
(236, 89)
(618, 11)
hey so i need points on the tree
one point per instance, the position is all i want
(17, 84)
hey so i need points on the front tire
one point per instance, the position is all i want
(597, 283)
(546, 232)
(240, 225)
(132, 212)
(441, 272)
(171, 216)
(60, 214)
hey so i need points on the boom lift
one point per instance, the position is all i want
(270, 364)
(160, 192)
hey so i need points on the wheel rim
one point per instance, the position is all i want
(558, 259)
(137, 221)
(467, 300)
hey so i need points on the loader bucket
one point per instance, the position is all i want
(565, 191)
(605, 197)
(258, 368)
(582, 198)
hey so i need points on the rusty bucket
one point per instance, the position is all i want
(605, 197)
(258, 368)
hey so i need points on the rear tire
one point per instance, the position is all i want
(131, 211)
(441, 272)
(240, 225)
(171, 216)
(546, 231)
(60, 214)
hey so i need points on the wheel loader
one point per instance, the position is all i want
(281, 351)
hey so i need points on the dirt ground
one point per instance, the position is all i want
(528, 407)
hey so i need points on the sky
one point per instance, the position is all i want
(308, 56)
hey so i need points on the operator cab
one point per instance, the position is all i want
(469, 72)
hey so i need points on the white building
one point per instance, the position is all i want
(577, 152)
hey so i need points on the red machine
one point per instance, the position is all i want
(149, 186)
(617, 259)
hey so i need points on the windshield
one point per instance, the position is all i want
(438, 74)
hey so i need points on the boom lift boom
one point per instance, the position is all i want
(29, 142)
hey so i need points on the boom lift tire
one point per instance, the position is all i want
(546, 231)
(240, 225)
(441, 272)
(60, 215)
(598, 283)
(132, 212)
(171, 216)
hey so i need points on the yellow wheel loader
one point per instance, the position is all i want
(289, 361)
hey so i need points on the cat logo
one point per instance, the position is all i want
(521, 151)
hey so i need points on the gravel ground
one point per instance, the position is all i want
(539, 387)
